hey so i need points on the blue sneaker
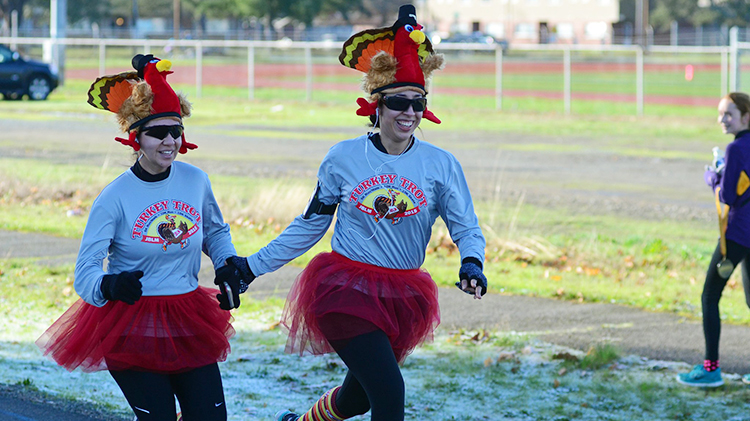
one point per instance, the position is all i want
(746, 379)
(699, 377)
(286, 416)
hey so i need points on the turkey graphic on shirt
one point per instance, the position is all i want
(386, 207)
(167, 222)
(171, 233)
(388, 197)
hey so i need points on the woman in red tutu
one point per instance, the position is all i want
(369, 300)
(145, 319)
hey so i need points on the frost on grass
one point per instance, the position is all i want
(460, 376)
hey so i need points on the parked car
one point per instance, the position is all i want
(476, 38)
(20, 76)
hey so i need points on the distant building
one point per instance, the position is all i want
(524, 21)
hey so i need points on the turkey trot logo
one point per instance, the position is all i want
(167, 222)
(388, 196)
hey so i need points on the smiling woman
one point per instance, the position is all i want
(368, 300)
(729, 181)
(160, 139)
(145, 319)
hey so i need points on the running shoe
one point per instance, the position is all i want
(286, 416)
(746, 379)
(699, 377)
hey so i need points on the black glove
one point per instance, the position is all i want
(470, 271)
(246, 274)
(125, 287)
(233, 279)
(228, 280)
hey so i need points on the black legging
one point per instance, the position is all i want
(712, 290)
(151, 395)
(373, 381)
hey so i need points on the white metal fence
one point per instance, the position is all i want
(728, 57)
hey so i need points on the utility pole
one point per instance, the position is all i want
(176, 19)
(134, 20)
(641, 22)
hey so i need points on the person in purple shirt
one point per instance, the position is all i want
(729, 181)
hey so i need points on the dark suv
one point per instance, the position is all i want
(19, 76)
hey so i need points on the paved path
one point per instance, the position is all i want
(654, 335)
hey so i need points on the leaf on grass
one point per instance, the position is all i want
(488, 362)
(566, 356)
(274, 326)
(591, 271)
(556, 384)
(562, 371)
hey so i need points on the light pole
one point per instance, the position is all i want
(58, 22)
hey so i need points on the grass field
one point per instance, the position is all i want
(653, 264)
(562, 253)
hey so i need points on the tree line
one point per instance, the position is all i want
(695, 13)
(194, 12)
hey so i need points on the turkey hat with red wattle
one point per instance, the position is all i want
(393, 59)
(139, 96)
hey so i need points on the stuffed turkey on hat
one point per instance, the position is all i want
(139, 96)
(394, 59)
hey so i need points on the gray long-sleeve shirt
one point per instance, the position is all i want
(158, 227)
(387, 206)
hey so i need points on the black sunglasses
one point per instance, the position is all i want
(160, 132)
(400, 103)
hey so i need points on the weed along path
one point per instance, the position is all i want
(656, 336)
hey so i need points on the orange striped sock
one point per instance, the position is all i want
(324, 409)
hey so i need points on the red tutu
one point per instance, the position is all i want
(336, 299)
(162, 334)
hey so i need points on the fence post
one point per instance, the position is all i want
(251, 72)
(734, 62)
(639, 80)
(198, 69)
(308, 73)
(498, 77)
(724, 71)
(566, 77)
(102, 58)
(699, 35)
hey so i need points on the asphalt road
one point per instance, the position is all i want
(656, 336)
